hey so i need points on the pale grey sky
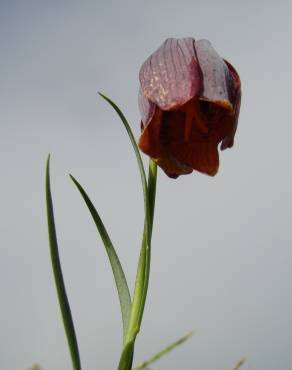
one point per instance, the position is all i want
(222, 253)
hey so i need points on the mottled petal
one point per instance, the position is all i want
(171, 75)
(146, 107)
(217, 82)
(189, 102)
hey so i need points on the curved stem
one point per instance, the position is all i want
(152, 180)
(143, 271)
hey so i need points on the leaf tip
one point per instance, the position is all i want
(48, 170)
(101, 94)
(190, 334)
(48, 159)
(73, 179)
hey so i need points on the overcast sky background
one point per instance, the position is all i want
(222, 253)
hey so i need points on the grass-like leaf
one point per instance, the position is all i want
(239, 364)
(141, 271)
(119, 276)
(166, 350)
(134, 144)
(58, 275)
(142, 276)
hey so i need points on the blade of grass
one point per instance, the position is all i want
(239, 364)
(58, 275)
(166, 350)
(119, 276)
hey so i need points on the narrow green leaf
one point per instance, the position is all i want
(166, 350)
(134, 144)
(119, 276)
(142, 276)
(239, 364)
(58, 275)
(141, 271)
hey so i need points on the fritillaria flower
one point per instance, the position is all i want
(189, 101)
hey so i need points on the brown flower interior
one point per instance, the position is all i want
(188, 138)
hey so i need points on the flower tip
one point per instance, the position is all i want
(227, 143)
(214, 172)
(211, 171)
(225, 104)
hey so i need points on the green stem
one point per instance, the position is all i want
(134, 321)
(152, 180)
(143, 271)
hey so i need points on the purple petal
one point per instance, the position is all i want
(217, 82)
(146, 107)
(171, 75)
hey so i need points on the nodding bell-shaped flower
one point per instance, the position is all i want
(189, 101)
